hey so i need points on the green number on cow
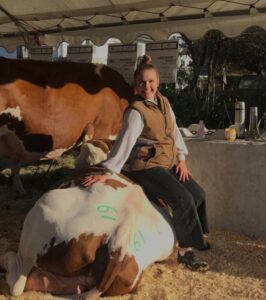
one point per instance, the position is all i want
(107, 212)
(137, 241)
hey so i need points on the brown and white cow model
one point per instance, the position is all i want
(108, 232)
(47, 107)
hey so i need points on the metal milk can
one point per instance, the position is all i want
(240, 119)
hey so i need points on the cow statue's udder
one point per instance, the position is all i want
(107, 233)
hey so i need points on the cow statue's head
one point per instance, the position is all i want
(92, 152)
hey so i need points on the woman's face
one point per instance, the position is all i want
(147, 84)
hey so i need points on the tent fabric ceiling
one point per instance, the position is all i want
(24, 22)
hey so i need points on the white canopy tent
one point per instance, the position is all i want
(50, 22)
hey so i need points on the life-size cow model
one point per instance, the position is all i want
(107, 233)
(48, 107)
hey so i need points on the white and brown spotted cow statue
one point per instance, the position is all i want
(105, 235)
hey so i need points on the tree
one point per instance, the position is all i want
(249, 51)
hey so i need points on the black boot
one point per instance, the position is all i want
(205, 247)
(192, 262)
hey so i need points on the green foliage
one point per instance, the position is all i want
(187, 106)
(249, 50)
(215, 55)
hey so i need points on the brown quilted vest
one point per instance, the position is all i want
(155, 146)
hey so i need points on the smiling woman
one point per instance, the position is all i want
(152, 152)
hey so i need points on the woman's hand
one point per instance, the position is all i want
(183, 171)
(89, 180)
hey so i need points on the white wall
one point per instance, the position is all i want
(233, 176)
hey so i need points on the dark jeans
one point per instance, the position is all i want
(186, 199)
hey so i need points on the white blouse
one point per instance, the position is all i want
(127, 138)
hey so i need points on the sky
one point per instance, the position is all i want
(4, 53)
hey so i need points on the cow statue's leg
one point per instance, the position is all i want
(22, 276)
(39, 280)
(11, 147)
(16, 180)
(17, 271)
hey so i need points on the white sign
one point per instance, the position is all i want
(41, 53)
(79, 53)
(164, 57)
(123, 59)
